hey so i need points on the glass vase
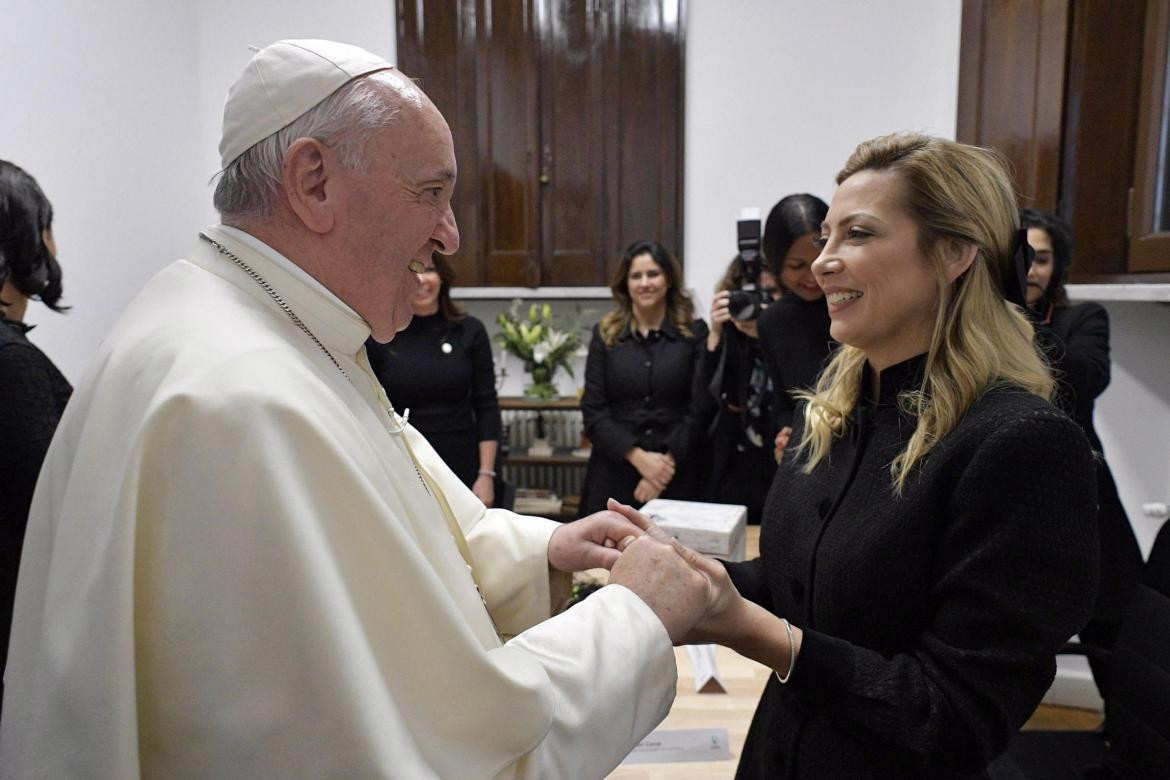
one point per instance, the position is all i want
(542, 386)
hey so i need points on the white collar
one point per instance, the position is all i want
(256, 245)
(330, 319)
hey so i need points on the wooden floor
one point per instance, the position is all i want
(744, 680)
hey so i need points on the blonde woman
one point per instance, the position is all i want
(930, 539)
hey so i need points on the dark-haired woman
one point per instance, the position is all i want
(1076, 340)
(440, 367)
(33, 392)
(794, 331)
(639, 409)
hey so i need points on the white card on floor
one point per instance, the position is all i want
(706, 669)
(666, 745)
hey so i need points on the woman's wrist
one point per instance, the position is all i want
(764, 637)
(486, 473)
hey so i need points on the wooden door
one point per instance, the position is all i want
(476, 59)
(1055, 85)
(568, 124)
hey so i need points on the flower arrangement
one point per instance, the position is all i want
(540, 344)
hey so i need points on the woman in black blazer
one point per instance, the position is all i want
(1076, 340)
(639, 408)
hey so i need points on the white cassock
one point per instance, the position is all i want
(233, 569)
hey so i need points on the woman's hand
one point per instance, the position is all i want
(484, 488)
(657, 468)
(720, 314)
(782, 437)
(749, 328)
(646, 491)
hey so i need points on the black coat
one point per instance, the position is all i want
(450, 390)
(639, 392)
(931, 619)
(739, 423)
(1076, 340)
(33, 394)
(794, 334)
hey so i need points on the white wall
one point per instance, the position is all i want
(1133, 415)
(115, 108)
(99, 104)
(779, 92)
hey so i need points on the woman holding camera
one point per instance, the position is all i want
(1075, 339)
(738, 397)
(930, 540)
(794, 331)
(638, 408)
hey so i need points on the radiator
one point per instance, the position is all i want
(562, 427)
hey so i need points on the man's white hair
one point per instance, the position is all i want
(345, 121)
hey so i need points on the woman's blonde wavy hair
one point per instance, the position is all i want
(680, 309)
(963, 194)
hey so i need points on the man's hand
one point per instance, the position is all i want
(657, 574)
(591, 542)
(782, 437)
(723, 614)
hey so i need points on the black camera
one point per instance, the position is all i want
(749, 300)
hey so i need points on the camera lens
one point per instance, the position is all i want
(744, 305)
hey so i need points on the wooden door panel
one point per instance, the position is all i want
(572, 157)
(1011, 88)
(1149, 224)
(1104, 80)
(588, 91)
(437, 46)
(645, 124)
(507, 46)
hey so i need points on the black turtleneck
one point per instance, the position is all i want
(931, 619)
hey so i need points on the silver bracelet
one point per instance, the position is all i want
(487, 473)
(791, 654)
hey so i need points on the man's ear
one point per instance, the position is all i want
(959, 255)
(309, 175)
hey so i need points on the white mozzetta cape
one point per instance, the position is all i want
(232, 569)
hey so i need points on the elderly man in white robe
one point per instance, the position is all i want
(242, 562)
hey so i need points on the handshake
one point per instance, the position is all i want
(691, 594)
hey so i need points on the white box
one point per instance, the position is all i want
(719, 530)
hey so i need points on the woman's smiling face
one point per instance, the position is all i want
(796, 268)
(881, 289)
(646, 282)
